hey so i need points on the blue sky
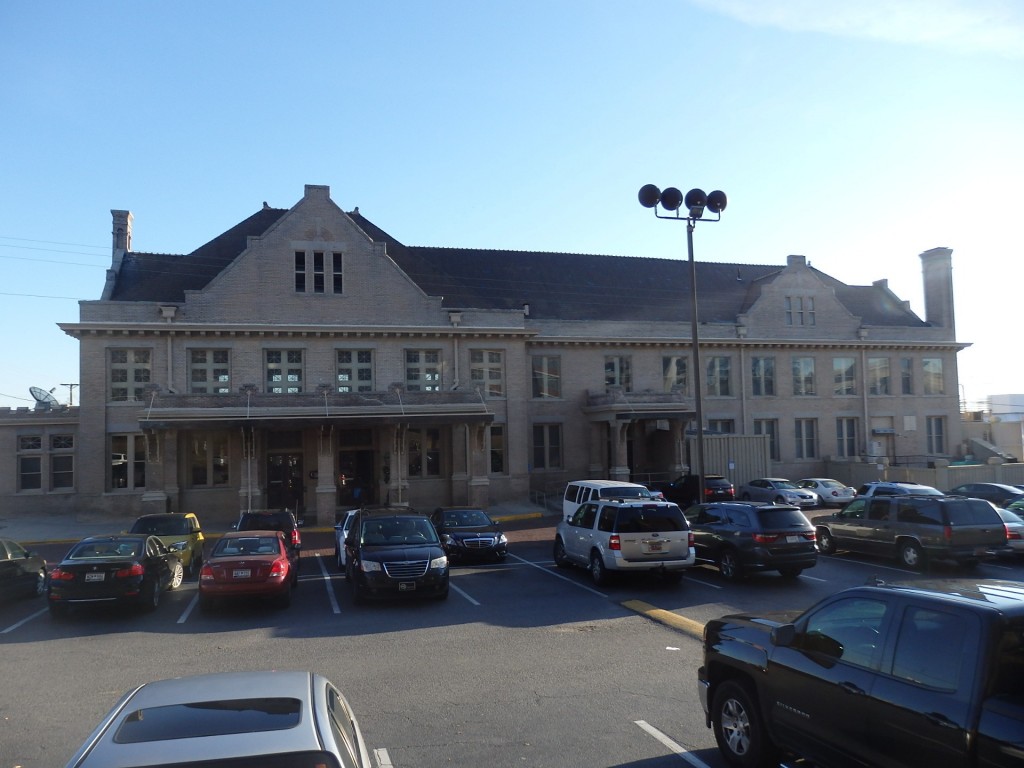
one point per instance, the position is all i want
(856, 133)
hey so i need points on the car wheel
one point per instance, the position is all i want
(780, 500)
(177, 575)
(739, 732)
(910, 554)
(442, 595)
(152, 598)
(790, 573)
(745, 497)
(729, 565)
(40, 583)
(195, 564)
(58, 610)
(561, 558)
(340, 559)
(826, 544)
(284, 599)
(598, 573)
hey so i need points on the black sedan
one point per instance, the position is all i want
(22, 572)
(469, 534)
(114, 569)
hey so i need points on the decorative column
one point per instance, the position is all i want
(598, 440)
(619, 433)
(160, 482)
(479, 481)
(461, 436)
(326, 482)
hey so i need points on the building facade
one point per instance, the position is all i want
(306, 359)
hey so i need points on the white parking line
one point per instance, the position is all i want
(26, 620)
(463, 593)
(191, 605)
(328, 585)
(675, 748)
(382, 758)
(558, 576)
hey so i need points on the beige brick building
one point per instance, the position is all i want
(306, 359)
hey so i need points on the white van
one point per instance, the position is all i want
(579, 491)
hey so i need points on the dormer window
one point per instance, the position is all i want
(799, 310)
(316, 271)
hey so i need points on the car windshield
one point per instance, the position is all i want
(88, 550)
(465, 518)
(829, 484)
(649, 519)
(775, 518)
(783, 484)
(161, 526)
(392, 531)
(246, 545)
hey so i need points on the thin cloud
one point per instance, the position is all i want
(967, 26)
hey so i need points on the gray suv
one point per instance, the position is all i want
(625, 535)
(914, 529)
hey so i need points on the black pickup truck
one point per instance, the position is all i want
(925, 673)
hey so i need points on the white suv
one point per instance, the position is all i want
(625, 535)
(897, 488)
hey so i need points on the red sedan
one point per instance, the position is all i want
(249, 564)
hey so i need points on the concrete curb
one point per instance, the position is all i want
(674, 620)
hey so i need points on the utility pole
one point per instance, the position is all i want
(71, 393)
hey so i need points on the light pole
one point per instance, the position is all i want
(694, 204)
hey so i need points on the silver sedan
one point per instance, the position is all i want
(778, 490)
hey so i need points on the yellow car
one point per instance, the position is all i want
(178, 532)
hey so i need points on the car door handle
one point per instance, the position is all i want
(853, 688)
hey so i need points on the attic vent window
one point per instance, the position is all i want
(799, 310)
(316, 270)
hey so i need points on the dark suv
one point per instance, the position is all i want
(388, 553)
(683, 490)
(283, 521)
(913, 528)
(744, 536)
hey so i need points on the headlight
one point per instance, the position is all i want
(439, 563)
(368, 566)
(502, 539)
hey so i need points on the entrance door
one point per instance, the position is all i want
(356, 486)
(284, 482)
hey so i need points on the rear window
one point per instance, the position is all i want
(650, 519)
(625, 492)
(265, 522)
(716, 482)
(106, 548)
(774, 518)
(208, 718)
(972, 512)
(161, 526)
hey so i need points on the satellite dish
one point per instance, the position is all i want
(45, 401)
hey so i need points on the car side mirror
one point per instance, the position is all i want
(783, 635)
(234, 526)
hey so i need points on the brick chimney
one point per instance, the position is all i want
(937, 268)
(122, 230)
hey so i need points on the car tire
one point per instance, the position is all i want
(738, 728)
(790, 573)
(442, 595)
(177, 575)
(284, 600)
(561, 558)
(40, 586)
(780, 500)
(745, 497)
(826, 544)
(195, 564)
(911, 555)
(340, 561)
(598, 573)
(151, 599)
(729, 565)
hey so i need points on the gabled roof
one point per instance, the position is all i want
(556, 286)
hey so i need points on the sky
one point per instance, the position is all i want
(857, 133)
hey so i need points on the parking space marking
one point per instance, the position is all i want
(26, 620)
(676, 749)
(558, 576)
(382, 758)
(191, 606)
(463, 593)
(328, 585)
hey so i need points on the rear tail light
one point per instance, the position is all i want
(689, 538)
(279, 568)
(58, 575)
(811, 535)
(1012, 534)
(614, 542)
(296, 539)
(947, 533)
(206, 574)
(766, 538)
(135, 569)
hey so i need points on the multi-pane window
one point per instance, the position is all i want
(762, 376)
(547, 376)
(30, 463)
(62, 462)
(907, 375)
(803, 376)
(844, 373)
(424, 450)
(487, 371)
(769, 427)
(209, 371)
(355, 370)
(878, 376)
(127, 462)
(128, 373)
(618, 372)
(722, 426)
(547, 446)
(846, 436)
(497, 449)
(673, 374)
(936, 426)
(799, 310)
(934, 384)
(423, 370)
(719, 377)
(315, 270)
(208, 458)
(806, 434)
(284, 371)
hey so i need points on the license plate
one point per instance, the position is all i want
(95, 576)
(406, 586)
(655, 546)
(792, 539)
(241, 573)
